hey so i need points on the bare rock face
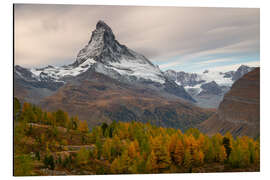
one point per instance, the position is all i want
(241, 71)
(183, 78)
(102, 46)
(239, 112)
(211, 88)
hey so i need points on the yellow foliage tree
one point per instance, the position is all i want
(106, 150)
(151, 164)
(179, 152)
(132, 150)
(222, 154)
(172, 145)
(116, 166)
(187, 159)
(82, 156)
(125, 162)
(161, 153)
(198, 157)
(83, 127)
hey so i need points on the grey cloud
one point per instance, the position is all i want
(53, 34)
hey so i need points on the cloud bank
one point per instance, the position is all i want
(172, 37)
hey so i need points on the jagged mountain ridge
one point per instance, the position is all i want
(221, 78)
(209, 87)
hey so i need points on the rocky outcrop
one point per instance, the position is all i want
(239, 112)
(211, 88)
(183, 78)
(242, 70)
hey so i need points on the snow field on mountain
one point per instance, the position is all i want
(140, 70)
(217, 77)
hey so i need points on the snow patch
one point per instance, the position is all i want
(197, 88)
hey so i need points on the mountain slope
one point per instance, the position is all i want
(98, 98)
(239, 112)
(31, 88)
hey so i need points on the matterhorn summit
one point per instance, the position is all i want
(102, 40)
(114, 58)
(109, 57)
(103, 47)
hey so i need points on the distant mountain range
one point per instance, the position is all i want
(209, 87)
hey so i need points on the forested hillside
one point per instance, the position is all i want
(53, 143)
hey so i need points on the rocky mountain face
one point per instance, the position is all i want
(239, 111)
(209, 87)
(108, 81)
(241, 71)
(183, 78)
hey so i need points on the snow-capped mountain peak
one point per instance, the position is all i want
(117, 58)
(111, 57)
(102, 39)
(103, 47)
(242, 70)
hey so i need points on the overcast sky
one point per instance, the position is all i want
(188, 39)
